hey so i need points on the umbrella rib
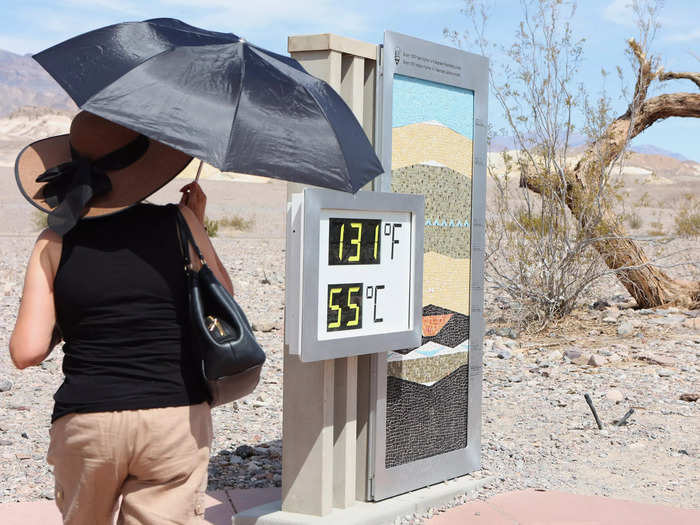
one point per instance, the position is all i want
(335, 134)
(238, 102)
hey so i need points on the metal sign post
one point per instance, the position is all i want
(432, 135)
(323, 430)
(354, 274)
(378, 284)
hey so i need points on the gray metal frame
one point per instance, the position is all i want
(473, 75)
(305, 342)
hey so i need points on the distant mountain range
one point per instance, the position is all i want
(24, 83)
(577, 143)
(648, 149)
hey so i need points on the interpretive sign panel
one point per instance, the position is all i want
(432, 133)
(357, 262)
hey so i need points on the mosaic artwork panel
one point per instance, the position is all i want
(432, 155)
(446, 282)
(425, 421)
(454, 333)
(433, 323)
(431, 309)
(427, 350)
(417, 100)
(447, 205)
(431, 143)
(427, 370)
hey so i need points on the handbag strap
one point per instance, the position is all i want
(187, 238)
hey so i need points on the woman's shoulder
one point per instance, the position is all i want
(49, 245)
(48, 236)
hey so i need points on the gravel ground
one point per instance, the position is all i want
(537, 429)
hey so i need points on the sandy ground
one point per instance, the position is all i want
(537, 430)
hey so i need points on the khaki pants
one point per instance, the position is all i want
(155, 459)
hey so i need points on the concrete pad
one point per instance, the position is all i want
(476, 513)
(244, 499)
(218, 511)
(558, 507)
(531, 507)
(218, 508)
(25, 513)
(362, 513)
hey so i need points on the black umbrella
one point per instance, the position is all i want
(218, 98)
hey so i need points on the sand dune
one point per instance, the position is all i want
(431, 142)
(446, 282)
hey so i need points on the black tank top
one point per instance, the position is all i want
(121, 304)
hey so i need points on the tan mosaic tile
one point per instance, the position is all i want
(427, 370)
(446, 282)
(417, 143)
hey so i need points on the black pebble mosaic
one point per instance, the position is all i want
(424, 421)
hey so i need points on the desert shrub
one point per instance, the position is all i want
(40, 220)
(687, 221)
(634, 220)
(644, 201)
(657, 229)
(212, 226)
(234, 221)
(688, 225)
(538, 252)
(237, 222)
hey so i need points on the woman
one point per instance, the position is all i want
(131, 419)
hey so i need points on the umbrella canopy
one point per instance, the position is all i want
(218, 98)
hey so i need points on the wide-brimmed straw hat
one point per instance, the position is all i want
(98, 169)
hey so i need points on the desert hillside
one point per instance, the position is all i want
(24, 83)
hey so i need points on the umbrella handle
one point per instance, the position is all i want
(199, 170)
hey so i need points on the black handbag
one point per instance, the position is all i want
(219, 331)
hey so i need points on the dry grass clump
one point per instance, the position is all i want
(234, 222)
(688, 217)
(237, 223)
(644, 201)
(634, 220)
(212, 226)
(657, 229)
(527, 221)
(40, 220)
(688, 225)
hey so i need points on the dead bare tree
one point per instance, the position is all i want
(646, 283)
(535, 92)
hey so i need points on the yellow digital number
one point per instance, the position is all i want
(340, 246)
(356, 241)
(335, 307)
(356, 321)
(376, 240)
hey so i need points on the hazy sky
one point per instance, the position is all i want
(28, 26)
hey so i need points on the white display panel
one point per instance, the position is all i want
(347, 293)
(358, 299)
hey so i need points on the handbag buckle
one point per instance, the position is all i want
(214, 324)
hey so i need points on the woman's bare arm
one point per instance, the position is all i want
(34, 335)
(202, 239)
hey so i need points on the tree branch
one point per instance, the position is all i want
(665, 106)
(693, 77)
(645, 75)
